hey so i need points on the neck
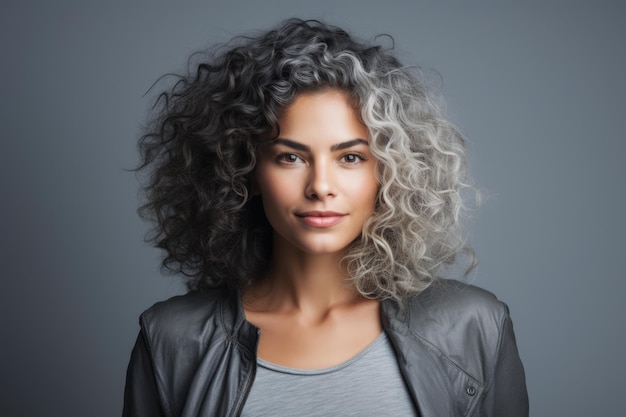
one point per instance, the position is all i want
(305, 282)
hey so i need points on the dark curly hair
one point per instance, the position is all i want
(200, 151)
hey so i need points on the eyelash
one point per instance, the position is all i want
(360, 156)
(284, 158)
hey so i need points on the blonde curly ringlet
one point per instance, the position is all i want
(417, 225)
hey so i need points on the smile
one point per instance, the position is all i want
(321, 218)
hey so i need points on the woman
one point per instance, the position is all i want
(308, 185)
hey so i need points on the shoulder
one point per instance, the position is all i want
(460, 322)
(195, 315)
(191, 306)
(452, 302)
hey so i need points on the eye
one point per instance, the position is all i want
(288, 158)
(353, 158)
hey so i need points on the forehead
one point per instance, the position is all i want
(326, 114)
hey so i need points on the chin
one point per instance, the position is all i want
(324, 248)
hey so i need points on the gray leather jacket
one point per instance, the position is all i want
(196, 355)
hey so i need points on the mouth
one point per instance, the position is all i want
(321, 218)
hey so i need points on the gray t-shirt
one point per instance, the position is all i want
(369, 384)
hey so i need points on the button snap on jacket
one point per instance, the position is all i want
(471, 391)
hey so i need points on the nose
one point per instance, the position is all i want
(321, 182)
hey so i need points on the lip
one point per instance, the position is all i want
(321, 218)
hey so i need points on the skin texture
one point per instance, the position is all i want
(336, 174)
(318, 185)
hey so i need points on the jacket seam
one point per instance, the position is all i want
(157, 373)
(231, 337)
(430, 346)
(496, 359)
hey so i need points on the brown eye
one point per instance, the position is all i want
(352, 158)
(288, 158)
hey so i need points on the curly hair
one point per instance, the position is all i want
(200, 150)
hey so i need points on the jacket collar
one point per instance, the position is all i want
(438, 385)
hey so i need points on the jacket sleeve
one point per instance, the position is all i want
(141, 397)
(506, 394)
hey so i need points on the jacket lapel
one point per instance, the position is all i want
(439, 387)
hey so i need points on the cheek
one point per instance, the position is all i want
(275, 190)
(371, 202)
(367, 192)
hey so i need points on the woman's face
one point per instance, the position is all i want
(318, 180)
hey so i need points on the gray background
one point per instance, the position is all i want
(538, 88)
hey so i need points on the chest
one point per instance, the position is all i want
(368, 384)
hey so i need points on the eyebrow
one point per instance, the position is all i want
(304, 148)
